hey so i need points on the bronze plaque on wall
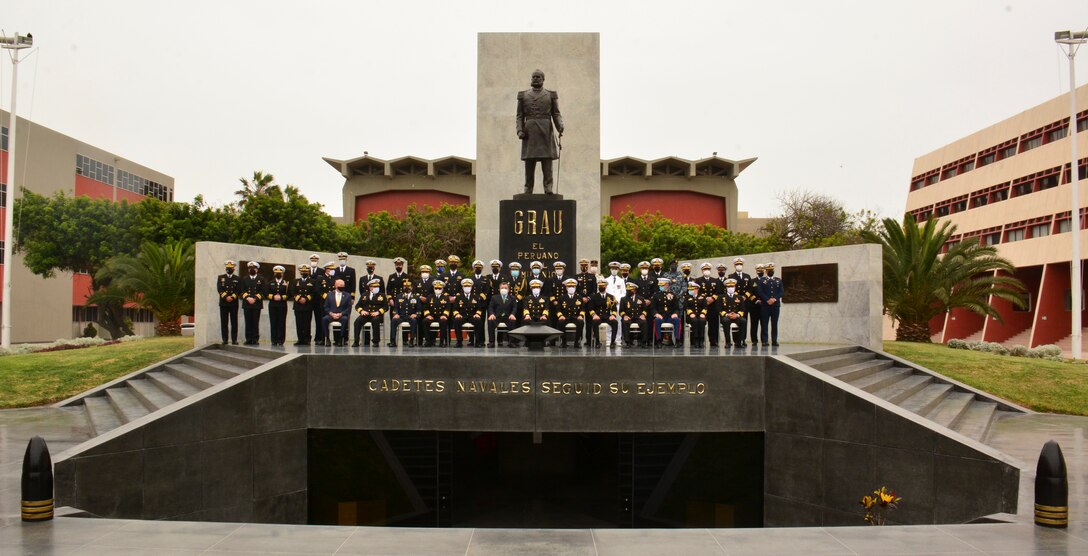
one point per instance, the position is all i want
(814, 283)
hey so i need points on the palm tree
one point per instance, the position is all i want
(920, 283)
(160, 278)
(258, 185)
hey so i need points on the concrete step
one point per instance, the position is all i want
(951, 409)
(926, 399)
(809, 355)
(214, 366)
(882, 378)
(199, 378)
(172, 385)
(977, 419)
(238, 359)
(1021, 339)
(905, 388)
(842, 360)
(255, 351)
(128, 406)
(153, 397)
(860, 370)
(103, 416)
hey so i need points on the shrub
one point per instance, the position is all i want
(1019, 351)
(90, 331)
(1047, 351)
(59, 345)
(957, 344)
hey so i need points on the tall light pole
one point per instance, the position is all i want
(1072, 40)
(14, 44)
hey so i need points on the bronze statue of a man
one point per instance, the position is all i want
(538, 108)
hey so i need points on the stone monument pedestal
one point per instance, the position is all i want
(538, 227)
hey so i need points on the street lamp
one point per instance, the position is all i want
(13, 44)
(1072, 40)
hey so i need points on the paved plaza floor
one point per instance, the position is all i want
(1021, 437)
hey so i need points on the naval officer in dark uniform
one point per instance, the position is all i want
(538, 110)
(229, 286)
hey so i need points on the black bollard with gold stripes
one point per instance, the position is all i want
(1051, 488)
(37, 481)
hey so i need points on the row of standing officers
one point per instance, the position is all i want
(443, 300)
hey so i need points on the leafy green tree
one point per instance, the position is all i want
(420, 235)
(160, 278)
(920, 283)
(632, 238)
(288, 220)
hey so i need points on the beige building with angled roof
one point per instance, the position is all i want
(1009, 186)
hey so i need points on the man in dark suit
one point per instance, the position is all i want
(337, 308)
(503, 308)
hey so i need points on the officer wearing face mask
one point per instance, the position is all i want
(647, 286)
(711, 289)
(305, 294)
(371, 308)
(755, 305)
(601, 308)
(553, 286)
(395, 283)
(587, 281)
(695, 311)
(252, 295)
(569, 309)
(732, 312)
(405, 309)
(229, 287)
(746, 287)
(536, 272)
(633, 312)
(770, 291)
(657, 270)
(425, 284)
(503, 308)
(665, 308)
(536, 308)
(345, 273)
(519, 285)
(371, 274)
(454, 274)
(277, 306)
(495, 278)
(466, 309)
(436, 310)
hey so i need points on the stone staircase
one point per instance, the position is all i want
(1021, 339)
(925, 393)
(160, 386)
(1066, 343)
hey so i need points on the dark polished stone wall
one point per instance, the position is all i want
(237, 451)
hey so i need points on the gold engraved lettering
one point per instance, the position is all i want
(372, 385)
(519, 225)
(557, 222)
(545, 229)
(531, 222)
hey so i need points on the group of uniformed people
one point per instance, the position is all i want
(441, 299)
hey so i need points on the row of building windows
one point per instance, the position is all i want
(1033, 139)
(1043, 226)
(1024, 185)
(89, 313)
(3, 138)
(99, 171)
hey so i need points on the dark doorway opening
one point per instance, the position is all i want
(558, 480)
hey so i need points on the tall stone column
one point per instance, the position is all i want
(572, 66)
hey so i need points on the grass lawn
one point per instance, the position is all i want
(42, 378)
(1050, 386)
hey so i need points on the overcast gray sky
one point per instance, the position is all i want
(831, 96)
